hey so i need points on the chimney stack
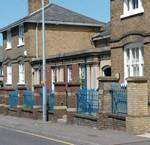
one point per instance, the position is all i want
(34, 5)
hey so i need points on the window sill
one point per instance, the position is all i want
(132, 13)
(8, 48)
(20, 83)
(20, 45)
(8, 84)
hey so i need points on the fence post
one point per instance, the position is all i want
(21, 89)
(72, 101)
(105, 84)
(138, 119)
(60, 106)
(6, 92)
(37, 99)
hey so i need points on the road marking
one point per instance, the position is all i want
(147, 135)
(36, 135)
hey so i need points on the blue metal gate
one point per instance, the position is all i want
(28, 100)
(119, 99)
(13, 99)
(51, 101)
(87, 102)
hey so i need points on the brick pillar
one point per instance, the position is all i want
(75, 72)
(138, 119)
(105, 84)
(72, 101)
(21, 89)
(37, 102)
(60, 97)
(5, 99)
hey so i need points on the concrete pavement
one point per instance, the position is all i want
(74, 134)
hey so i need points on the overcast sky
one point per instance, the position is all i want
(12, 10)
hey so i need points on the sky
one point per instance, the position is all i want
(12, 10)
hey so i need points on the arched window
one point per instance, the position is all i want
(106, 70)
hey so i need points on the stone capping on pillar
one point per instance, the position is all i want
(137, 79)
(73, 84)
(108, 79)
(60, 84)
(38, 86)
(22, 87)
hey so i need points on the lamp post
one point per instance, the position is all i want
(44, 68)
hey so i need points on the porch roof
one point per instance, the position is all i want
(75, 54)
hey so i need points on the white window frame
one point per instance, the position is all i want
(53, 79)
(129, 10)
(131, 62)
(21, 74)
(21, 35)
(60, 74)
(9, 75)
(36, 76)
(9, 40)
(69, 73)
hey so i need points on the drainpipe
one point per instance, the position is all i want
(36, 42)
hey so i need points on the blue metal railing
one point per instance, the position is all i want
(119, 99)
(87, 102)
(50, 100)
(13, 99)
(28, 100)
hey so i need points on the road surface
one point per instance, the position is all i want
(10, 136)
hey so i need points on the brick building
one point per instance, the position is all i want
(130, 39)
(70, 46)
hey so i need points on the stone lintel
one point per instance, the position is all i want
(60, 107)
(137, 80)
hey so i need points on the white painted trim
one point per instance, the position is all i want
(132, 13)
(127, 12)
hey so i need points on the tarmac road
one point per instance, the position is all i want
(14, 137)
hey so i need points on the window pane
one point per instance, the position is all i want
(134, 4)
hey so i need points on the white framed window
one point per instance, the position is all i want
(132, 7)
(69, 73)
(9, 40)
(93, 73)
(9, 74)
(60, 74)
(36, 77)
(53, 79)
(133, 60)
(89, 76)
(21, 35)
(21, 74)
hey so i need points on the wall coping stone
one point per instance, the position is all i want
(137, 79)
(89, 117)
(108, 79)
(73, 84)
(71, 109)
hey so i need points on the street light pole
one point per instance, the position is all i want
(44, 67)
